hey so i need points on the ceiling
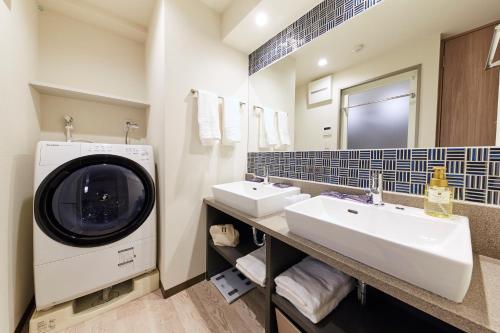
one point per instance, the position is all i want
(136, 11)
(244, 35)
(387, 26)
(129, 18)
(218, 5)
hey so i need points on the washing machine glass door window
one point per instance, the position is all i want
(94, 200)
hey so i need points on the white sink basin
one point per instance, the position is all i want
(252, 198)
(432, 253)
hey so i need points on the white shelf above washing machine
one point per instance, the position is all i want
(69, 92)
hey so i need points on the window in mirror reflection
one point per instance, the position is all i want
(381, 113)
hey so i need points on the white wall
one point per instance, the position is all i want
(195, 58)
(424, 51)
(155, 78)
(98, 122)
(79, 55)
(18, 135)
(273, 87)
(312, 120)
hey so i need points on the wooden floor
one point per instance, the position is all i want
(198, 309)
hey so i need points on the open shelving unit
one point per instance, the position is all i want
(231, 254)
(381, 313)
(220, 258)
(69, 92)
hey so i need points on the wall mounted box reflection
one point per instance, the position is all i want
(320, 90)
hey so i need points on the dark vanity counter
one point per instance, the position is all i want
(480, 311)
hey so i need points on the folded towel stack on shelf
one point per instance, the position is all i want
(253, 266)
(314, 288)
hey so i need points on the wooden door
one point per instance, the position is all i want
(469, 93)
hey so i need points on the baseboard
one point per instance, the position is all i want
(180, 287)
(22, 326)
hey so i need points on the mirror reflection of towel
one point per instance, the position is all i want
(269, 128)
(283, 131)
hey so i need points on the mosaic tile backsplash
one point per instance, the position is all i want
(322, 18)
(473, 172)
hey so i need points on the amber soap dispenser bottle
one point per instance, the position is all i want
(438, 199)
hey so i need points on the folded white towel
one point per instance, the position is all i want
(253, 266)
(269, 127)
(208, 118)
(314, 288)
(231, 121)
(284, 133)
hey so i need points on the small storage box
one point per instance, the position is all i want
(284, 324)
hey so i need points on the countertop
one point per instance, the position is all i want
(479, 312)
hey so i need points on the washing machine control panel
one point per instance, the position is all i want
(134, 152)
(137, 151)
(99, 149)
(56, 153)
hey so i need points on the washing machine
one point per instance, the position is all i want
(94, 218)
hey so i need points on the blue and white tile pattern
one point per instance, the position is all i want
(473, 172)
(322, 18)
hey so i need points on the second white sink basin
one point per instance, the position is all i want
(432, 253)
(252, 198)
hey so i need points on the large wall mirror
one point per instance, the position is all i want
(385, 80)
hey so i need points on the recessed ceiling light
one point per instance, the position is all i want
(322, 62)
(261, 19)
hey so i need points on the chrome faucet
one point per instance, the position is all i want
(266, 175)
(376, 188)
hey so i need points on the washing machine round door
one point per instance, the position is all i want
(94, 200)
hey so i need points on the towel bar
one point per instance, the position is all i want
(195, 93)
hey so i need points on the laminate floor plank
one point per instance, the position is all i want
(252, 310)
(224, 317)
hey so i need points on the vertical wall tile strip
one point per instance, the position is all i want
(474, 172)
(322, 18)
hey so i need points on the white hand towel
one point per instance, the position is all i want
(253, 266)
(262, 135)
(314, 288)
(208, 118)
(269, 127)
(283, 131)
(231, 121)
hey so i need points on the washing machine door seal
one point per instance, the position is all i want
(94, 200)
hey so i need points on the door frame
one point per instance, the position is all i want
(440, 80)
(342, 132)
